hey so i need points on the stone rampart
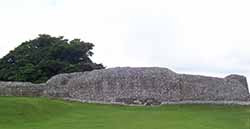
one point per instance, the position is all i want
(22, 89)
(134, 86)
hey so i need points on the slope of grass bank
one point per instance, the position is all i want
(42, 113)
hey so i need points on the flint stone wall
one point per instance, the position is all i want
(150, 86)
(22, 89)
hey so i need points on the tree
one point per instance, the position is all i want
(39, 59)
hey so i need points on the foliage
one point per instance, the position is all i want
(39, 59)
(42, 113)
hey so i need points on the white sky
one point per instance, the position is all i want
(209, 37)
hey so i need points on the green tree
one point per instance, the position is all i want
(39, 59)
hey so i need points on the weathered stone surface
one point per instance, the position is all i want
(21, 89)
(145, 86)
(212, 88)
(110, 85)
(116, 84)
(139, 101)
(56, 86)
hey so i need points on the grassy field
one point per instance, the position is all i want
(42, 113)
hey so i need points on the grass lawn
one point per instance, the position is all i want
(42, 113)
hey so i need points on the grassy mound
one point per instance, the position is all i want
(42, 113)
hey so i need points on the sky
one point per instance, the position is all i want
(207, 37)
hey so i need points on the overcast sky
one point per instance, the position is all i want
(209, 37)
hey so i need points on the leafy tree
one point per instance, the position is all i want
(39, 59)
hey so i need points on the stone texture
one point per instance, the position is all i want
(135, 85)
(212, 88)
(21, 89)
(57, 85)
(145, 86)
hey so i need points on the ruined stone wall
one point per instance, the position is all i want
(134, 86)
(21, 89)
(214, 89)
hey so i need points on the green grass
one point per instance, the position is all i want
(42, 113)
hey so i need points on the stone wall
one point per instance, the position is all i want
(22, 89)
(134, 86)
(214, 89)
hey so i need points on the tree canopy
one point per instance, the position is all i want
(45, 56)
